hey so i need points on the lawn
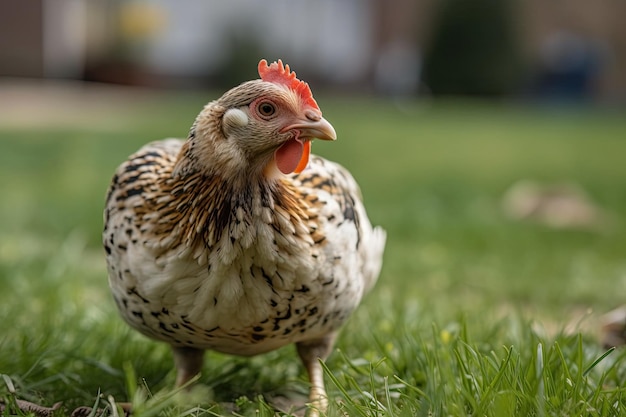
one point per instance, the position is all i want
(475, 313)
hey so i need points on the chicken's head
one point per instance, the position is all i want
(262, 127)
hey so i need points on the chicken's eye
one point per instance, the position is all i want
(266, 109)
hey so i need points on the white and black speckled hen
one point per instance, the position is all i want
(238, 240)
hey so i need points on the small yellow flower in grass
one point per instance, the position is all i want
(445, 336)
(389, 347)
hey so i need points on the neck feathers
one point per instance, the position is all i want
(199, 211)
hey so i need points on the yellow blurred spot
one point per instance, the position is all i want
(389, 346)
(446, 336)
(370, 356)
(141, 19)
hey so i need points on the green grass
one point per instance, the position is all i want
(472, 314)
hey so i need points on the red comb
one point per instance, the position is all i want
(279, 74)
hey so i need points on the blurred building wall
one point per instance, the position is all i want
(565, 44)
(401, 29)
(21, 38)
(330, 38)
(579, 33)
(357, 43)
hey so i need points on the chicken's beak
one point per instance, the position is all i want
(313, 126)
(293, 154)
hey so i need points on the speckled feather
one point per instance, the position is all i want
(209, 247)
(192, 263)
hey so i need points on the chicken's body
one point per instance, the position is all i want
(242, 261)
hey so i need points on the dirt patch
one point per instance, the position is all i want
(26, 104)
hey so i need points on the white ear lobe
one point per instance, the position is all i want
(235, 118)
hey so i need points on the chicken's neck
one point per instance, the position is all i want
(206, 208)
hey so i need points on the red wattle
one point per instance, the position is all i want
(304, 161)
(288, 157)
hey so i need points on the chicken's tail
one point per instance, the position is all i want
(374, 257)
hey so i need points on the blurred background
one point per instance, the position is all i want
(488, 138)
(564, 50)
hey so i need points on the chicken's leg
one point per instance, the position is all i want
(188, 362)
(311, 351)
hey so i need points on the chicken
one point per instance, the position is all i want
(237, 239)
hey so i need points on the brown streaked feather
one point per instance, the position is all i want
(185, 207)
